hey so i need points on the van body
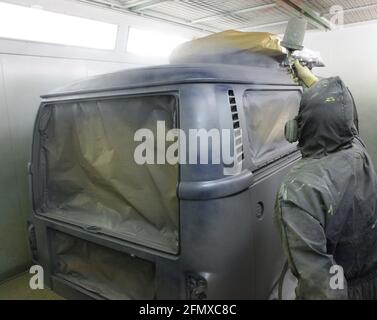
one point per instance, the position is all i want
(105, 227)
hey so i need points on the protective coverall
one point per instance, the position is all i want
(326, 209)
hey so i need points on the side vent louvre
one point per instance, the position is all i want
(239, 156)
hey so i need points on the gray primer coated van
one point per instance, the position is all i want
(104, 227)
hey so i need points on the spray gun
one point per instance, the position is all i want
(293, 41)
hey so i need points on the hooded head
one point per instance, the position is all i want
(326, 119)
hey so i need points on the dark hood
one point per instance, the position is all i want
(326, 119)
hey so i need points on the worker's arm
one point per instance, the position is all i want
(304, 74)
(304, 243)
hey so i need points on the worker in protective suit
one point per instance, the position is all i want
(326, 209)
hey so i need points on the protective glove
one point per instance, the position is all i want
(305, 74)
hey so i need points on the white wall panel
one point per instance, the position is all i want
(14, 253)
(351, 54)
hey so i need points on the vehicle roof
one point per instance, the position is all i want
(176, 74)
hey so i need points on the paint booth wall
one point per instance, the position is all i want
(351, 54)
(23, 78)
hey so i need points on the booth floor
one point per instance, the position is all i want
(18, 288)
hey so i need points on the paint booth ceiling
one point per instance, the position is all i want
(246, 15)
